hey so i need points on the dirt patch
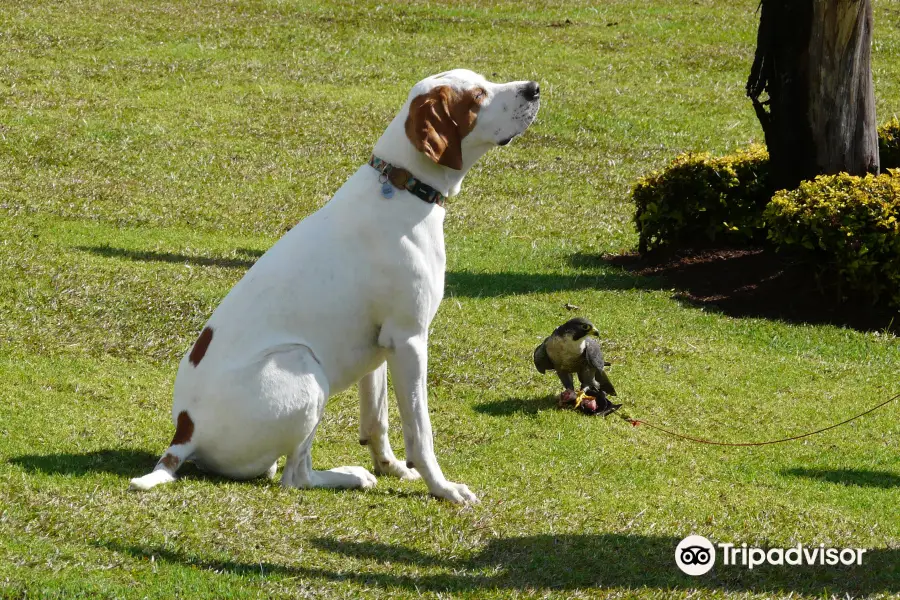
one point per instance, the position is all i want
(757, 282)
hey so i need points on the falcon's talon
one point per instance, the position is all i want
(581, 397)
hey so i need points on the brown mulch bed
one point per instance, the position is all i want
(757, 282)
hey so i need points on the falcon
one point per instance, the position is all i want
(573, 348)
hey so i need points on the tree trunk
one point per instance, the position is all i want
(813, 58)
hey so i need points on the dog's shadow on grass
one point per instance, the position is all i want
(512, 406)
(124, 462)
(550, 562)
(848, 477)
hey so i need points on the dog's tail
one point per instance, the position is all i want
(181, 449)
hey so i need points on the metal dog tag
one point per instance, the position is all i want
(387, 190)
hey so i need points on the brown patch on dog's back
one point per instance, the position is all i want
(200, 346)
(184, 429)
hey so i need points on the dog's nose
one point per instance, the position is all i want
(531, 91)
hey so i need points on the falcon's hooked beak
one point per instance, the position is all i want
(594, 332)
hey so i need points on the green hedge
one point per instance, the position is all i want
(889, 144)
(700, 199)
(851, 223)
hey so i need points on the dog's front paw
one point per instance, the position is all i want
(458, 493)
(395, 468)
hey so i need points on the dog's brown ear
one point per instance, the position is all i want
(432, 129)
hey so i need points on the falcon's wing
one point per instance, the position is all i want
(593, 355)
(541, 361)
(605, 384)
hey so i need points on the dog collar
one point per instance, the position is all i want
(403, 180)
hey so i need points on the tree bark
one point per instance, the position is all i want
(813, 58)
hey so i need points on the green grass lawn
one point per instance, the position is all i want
(151, 151)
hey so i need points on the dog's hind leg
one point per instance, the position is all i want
(373, 425)
(179, 451)
(298, 471)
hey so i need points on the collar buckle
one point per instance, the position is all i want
(404, 180)
(399, 178)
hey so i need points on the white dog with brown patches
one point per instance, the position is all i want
(350, 287)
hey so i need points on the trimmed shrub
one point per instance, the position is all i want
(889, 144)
(851, 223)
(699, 199)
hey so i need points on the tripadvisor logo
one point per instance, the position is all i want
(696, 555)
